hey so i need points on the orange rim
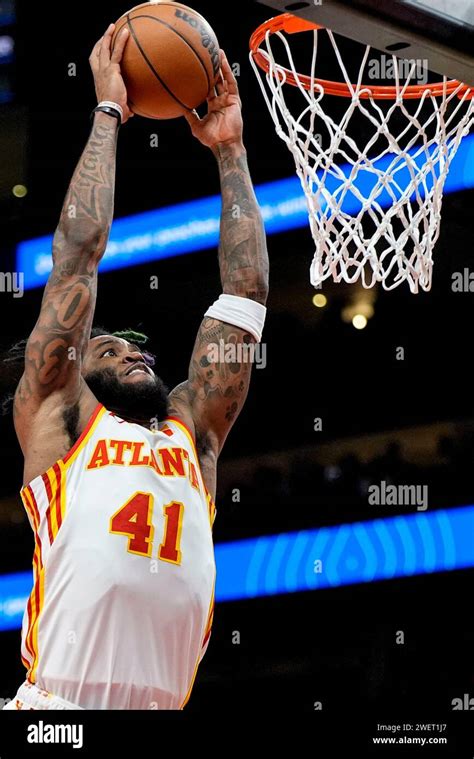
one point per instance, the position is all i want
(290, 24)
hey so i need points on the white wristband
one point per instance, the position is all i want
(241, 312)
(111, 104)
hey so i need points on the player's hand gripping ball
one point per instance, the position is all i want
(105, 65)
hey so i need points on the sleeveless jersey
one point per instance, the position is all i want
(124, 573)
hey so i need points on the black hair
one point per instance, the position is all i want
(13, 361)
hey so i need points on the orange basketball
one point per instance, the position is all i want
(171, 60)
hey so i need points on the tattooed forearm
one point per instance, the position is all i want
(59, 338)
(243, 256)
(87, 212)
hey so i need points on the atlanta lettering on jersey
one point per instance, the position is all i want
(166, 462)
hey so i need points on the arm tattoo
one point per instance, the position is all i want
(216, 387)
(243, 257)
(62, 331)
(87, 211)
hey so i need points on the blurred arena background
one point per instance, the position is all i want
(276, 643)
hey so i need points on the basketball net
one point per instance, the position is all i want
(356, 235)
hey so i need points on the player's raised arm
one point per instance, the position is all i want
(55, 346)
(216, 389)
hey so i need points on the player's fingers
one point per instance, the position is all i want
(213, 95)
(93, 58)
(119, 47)
(220, 87)
(228, 75)
(192, 117)
(104, 56)
(216, 102)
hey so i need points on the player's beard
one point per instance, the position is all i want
(144, 400)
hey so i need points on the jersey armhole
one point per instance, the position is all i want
(94, 419)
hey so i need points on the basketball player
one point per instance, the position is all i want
(120, 476)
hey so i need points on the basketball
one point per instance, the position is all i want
(171, 59)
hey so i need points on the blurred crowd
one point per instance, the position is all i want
(305, 494)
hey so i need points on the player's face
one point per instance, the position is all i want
(120, 377)
(124, 359)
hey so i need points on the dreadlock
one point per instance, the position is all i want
(13, 361)
(126, 334)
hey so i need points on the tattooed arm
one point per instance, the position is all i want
(59, 338)
(215, 391)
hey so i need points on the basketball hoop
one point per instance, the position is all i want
(356, 235)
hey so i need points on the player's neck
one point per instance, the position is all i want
(144, 421)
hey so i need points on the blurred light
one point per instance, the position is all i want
(366, 309)
(7, 46)
(359, 306)
(332, 473)
(319, 300)
(359, 321)
(19, 191)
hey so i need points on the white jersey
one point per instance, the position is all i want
(124, 572)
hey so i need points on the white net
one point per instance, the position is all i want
(374, 208)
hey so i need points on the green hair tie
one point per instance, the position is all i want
(131, 336)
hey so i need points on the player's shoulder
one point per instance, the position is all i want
(174, 423)
(179, 409)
